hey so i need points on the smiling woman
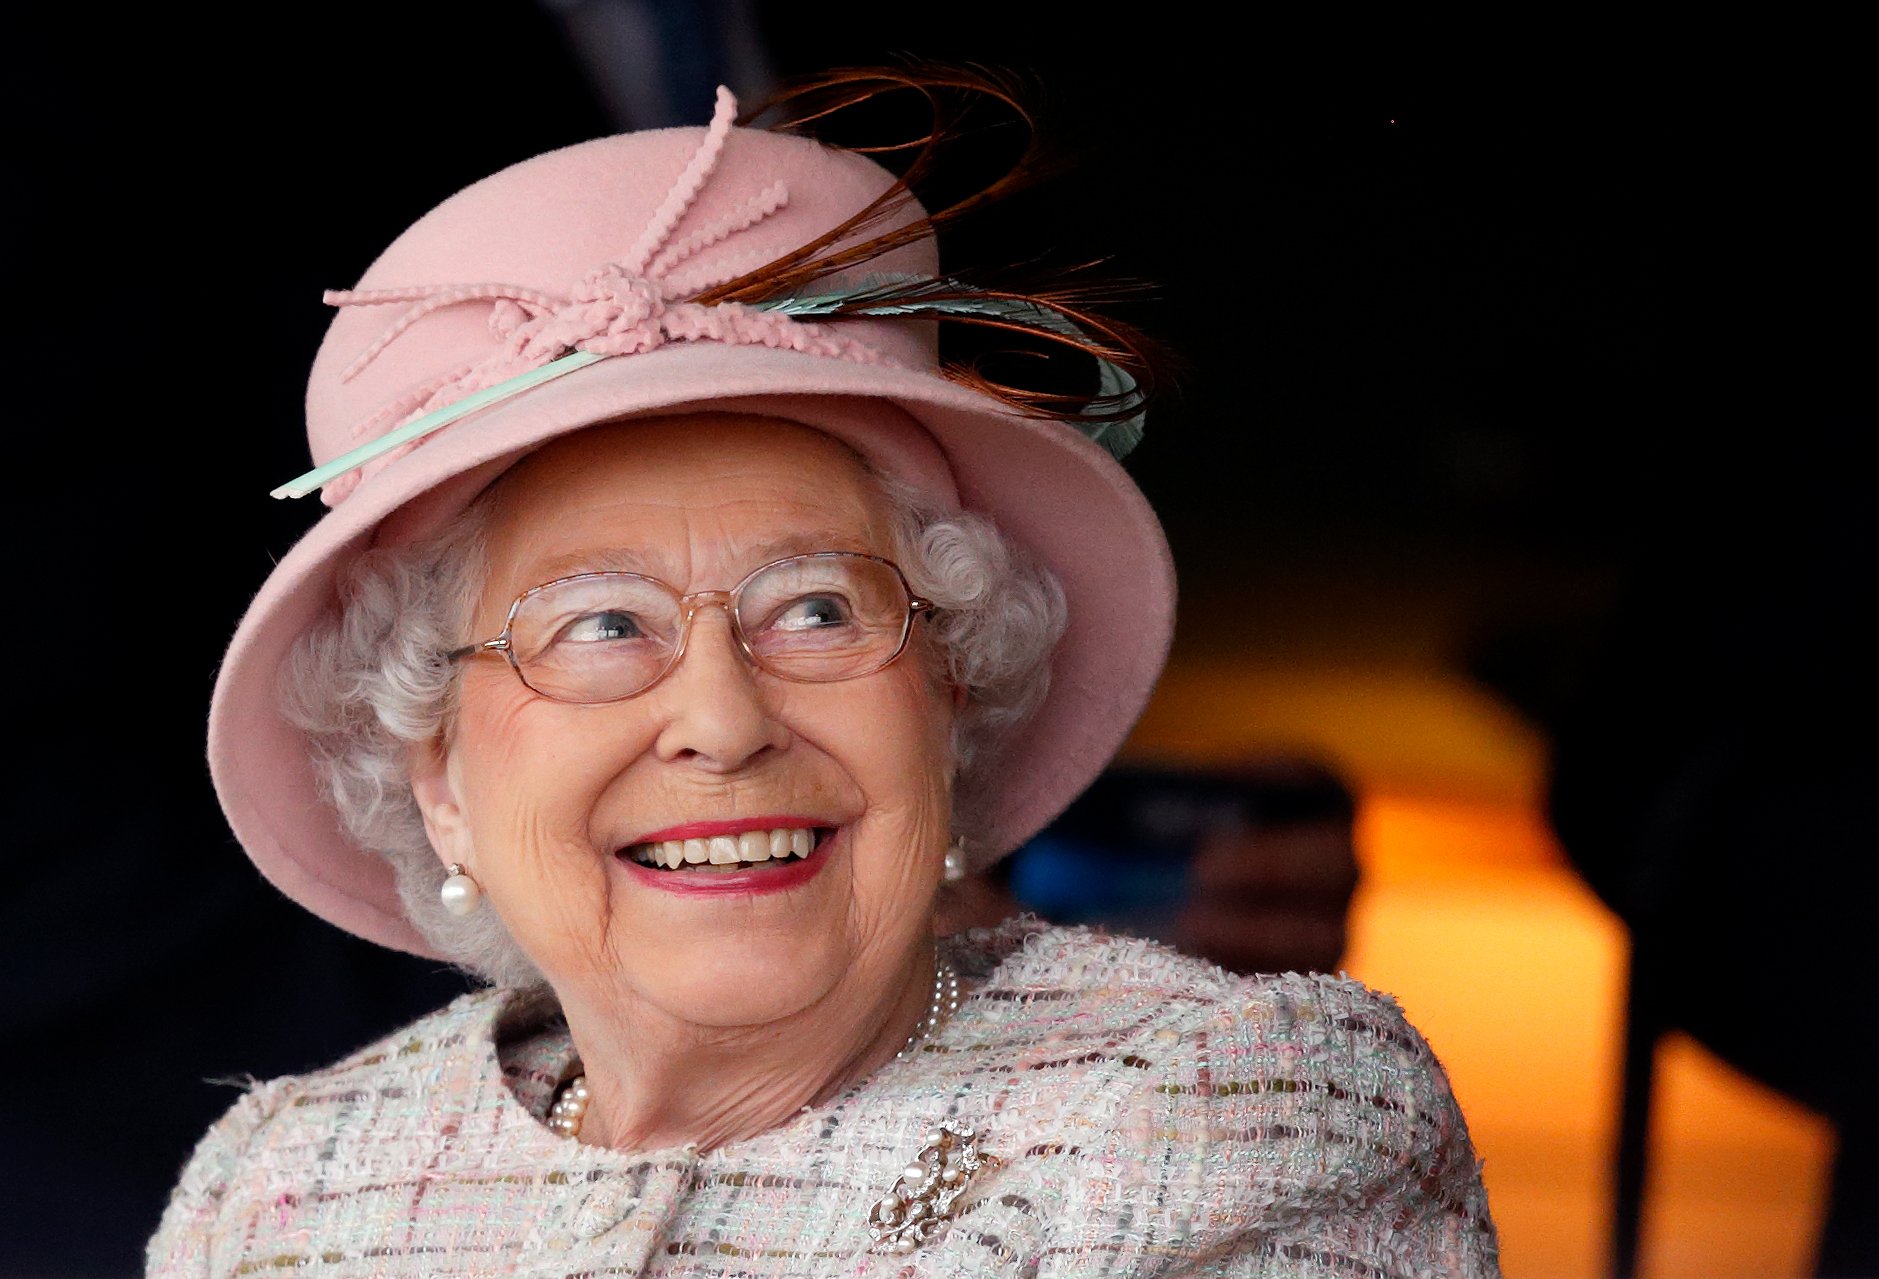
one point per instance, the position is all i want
(365, 686)
(679, 627)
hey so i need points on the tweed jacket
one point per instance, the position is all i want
(1145, 1114)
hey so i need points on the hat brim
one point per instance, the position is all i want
(1045, 485)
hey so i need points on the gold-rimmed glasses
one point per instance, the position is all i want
(606, 636)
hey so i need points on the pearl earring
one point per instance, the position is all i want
(460, 893)
(956, 861)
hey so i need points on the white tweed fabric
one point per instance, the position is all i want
(1148, 1115)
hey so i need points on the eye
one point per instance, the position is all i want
(811, 613)
(601, 627)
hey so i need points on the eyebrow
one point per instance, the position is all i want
(639, 559)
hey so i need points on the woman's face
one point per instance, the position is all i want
(544, 801)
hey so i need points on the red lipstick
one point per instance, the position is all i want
(758, 879)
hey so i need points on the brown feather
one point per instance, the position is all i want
(952, 96)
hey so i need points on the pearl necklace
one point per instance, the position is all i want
(570, 1107)
(944, 1004)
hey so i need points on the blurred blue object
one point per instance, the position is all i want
(1122, 856)
(1123, 887)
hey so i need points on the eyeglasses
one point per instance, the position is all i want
(604, 637)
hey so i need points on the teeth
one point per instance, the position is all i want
(726, 850)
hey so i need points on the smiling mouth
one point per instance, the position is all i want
(724, 853)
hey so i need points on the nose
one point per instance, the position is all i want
(717, 715)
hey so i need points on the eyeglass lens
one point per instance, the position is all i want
(815, 619)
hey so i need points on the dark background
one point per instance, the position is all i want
(1528, 334)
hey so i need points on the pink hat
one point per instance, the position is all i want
(509, 315)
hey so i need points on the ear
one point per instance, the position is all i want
(434, 787)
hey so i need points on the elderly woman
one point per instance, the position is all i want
(677, 630)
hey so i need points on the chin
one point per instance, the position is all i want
(733, 946)
(744, 979)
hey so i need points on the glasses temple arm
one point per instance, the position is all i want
(498, 645)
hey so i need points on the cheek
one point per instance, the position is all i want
(508, 749)
(530, 773)
(920, 699)
(520, 752)
(906, 736)
(899, 750)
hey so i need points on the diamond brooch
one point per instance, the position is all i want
(923, 1197)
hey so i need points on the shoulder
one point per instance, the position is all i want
(279, 1129)
(1309, 1104)
(1261, 1114)
(1026, 951)
(1320, 1031)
